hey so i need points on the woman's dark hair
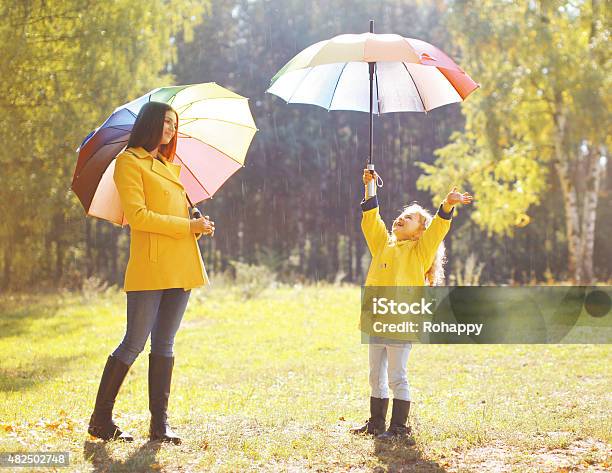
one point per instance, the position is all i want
(149, 127)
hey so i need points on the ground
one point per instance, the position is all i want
(274, 383)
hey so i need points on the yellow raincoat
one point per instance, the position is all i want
(400, 263)
(163, 252)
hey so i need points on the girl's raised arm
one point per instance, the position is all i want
(372, 225)
(427, 246)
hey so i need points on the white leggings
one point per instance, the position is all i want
(388, 368)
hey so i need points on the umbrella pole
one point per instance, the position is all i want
(371, 189)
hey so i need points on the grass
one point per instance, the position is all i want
(274, 383)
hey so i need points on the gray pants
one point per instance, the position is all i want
(388, 369)
(157, 313)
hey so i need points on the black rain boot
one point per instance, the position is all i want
(160, 378)
(101, 424)
(398, 430)
(378, 414)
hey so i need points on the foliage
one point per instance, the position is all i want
(295, 206)
(468, 272)
(250, 279)
(543, 105)
(70, 63)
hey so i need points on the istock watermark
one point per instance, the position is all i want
(474, 314)
(384, 306)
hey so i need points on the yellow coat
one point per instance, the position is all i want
(163, 252)
(400, 263)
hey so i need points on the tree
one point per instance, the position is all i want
(71, 62)
(543, 106)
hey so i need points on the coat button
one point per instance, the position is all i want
(166, 192)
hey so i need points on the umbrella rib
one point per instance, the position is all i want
(336, 86)
(121, 110)
(300, 84)
(99, 129)
(450, 82)
(115, 142)
(194, 176)
(117, 127)
(415, 86)
(185, 106)
(219, 120)
(213, 147)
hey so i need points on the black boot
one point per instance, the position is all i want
(101, 424)
(398, 430)
(160, 377)
(378, 414)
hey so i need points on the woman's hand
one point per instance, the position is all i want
(368, 176)
(202, 225)
(454, 197)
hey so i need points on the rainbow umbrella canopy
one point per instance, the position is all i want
(214, 134)
(375, 73)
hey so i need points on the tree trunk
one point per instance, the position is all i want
(572, 222)
(59, 262)
(114, 255)
(350, 276)
(88, 245)
(570, 199)
(301, 237)
(333, 256)
(8, 262)
(359, 250)
(591, 197)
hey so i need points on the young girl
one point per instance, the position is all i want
(412, 255)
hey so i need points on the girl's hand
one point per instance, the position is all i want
(368, 176)
(454, 197)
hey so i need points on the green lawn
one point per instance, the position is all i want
(275, 382)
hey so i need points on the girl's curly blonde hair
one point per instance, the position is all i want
(434, 276)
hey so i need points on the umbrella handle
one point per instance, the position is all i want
(371, 187)
(195, 213)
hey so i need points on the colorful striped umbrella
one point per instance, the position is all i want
(375, 73)
(214, 134)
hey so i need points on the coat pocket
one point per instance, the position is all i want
(153, 243)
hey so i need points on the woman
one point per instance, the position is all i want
(164, 265)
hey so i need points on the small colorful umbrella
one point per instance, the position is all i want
(214, 134)
(375, 73)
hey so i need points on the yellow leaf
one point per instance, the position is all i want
(522, 220)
